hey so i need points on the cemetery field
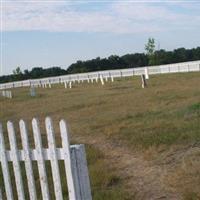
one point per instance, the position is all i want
(141, 143)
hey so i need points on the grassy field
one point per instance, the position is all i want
(141, 143)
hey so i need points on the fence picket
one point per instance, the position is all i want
(27, 160)
(102, 81)
(16, 164)
(54, 159)
(40, 159)
(67, 161)
(1, 196)
(5, 169)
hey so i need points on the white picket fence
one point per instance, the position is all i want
(73, 156)
(6, 93)
(67, 80)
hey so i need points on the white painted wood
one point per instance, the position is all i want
(27, 160)
(120, 73)
(78, 79)
(102, 81)
(146, 73)
(67, 161)
(40, 159)
(112, 79)
(1, 196)
(54, 159)
(73, 156)
(33, 154)
(5, 169)
(70, 84)
(16, 164)
(65, 83)
(80, 172)
(7, 94)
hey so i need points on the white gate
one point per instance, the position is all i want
(73, 156)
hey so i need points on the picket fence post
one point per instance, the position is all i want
(101, 78)
(146, 73)
(70, 84)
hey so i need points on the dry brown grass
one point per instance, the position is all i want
(144, 133)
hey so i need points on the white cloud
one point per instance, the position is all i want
(115, 18)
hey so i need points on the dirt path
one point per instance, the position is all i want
(139, 177)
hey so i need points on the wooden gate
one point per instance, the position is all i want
(74, 158)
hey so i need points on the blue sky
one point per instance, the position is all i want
(56, 33)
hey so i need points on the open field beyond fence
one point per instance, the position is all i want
(141, 143)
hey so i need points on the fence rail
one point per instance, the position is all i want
(161, 69)
(73, 156)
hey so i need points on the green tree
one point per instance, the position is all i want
(150, 50)
(17, 71)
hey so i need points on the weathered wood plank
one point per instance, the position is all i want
(1, 196)
(4, 164)
(80, 172)
(40, 159)
(27, 160)
(16, 164)
(54, 159)
(67, 161)
(33, 154)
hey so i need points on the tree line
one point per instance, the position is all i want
(151, 57)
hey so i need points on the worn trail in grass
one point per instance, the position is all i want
(140, 178)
